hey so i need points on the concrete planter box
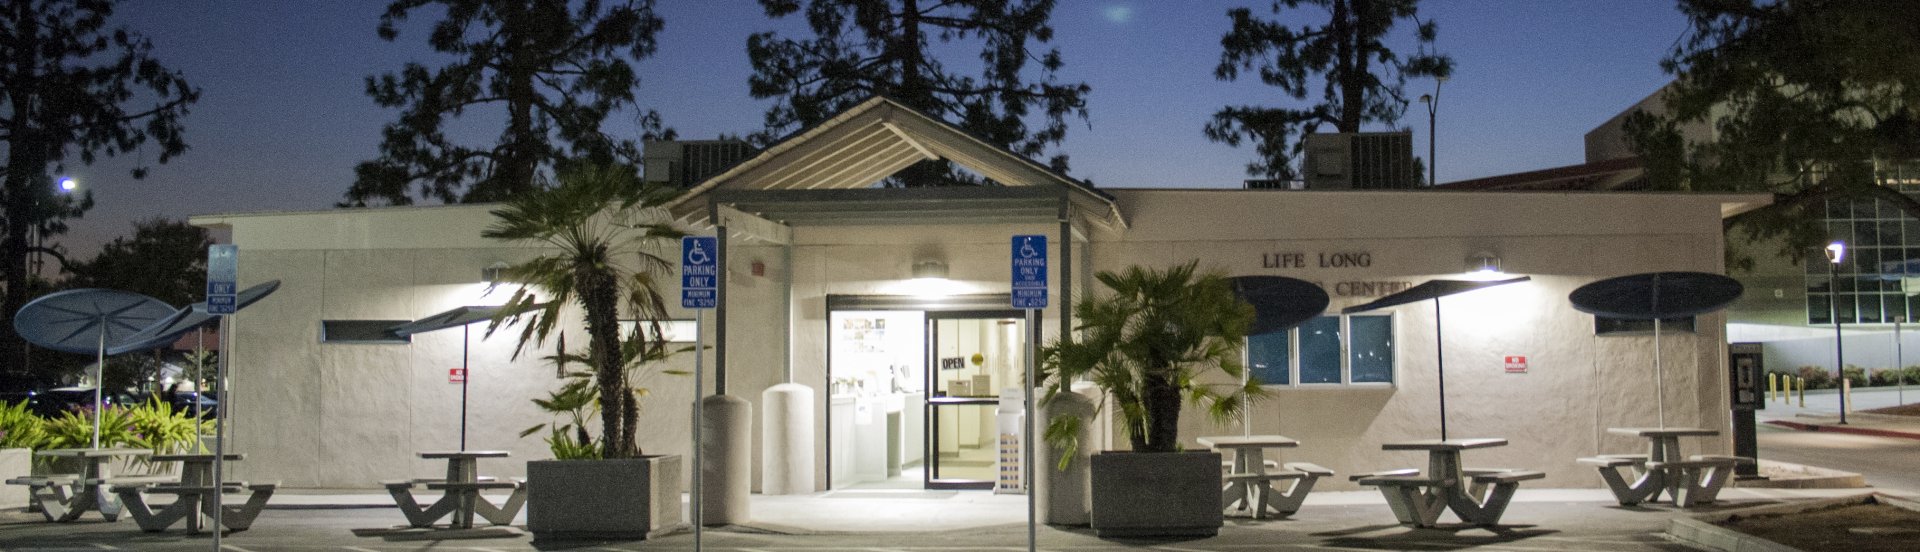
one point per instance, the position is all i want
(1156, 494)
(636, 498)
(14, 462)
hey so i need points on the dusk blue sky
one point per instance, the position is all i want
(283, 118)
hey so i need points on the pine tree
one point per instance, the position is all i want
(554, 70)
(1363, 78)
(71, 85)
(865, 48)
(1812, 100)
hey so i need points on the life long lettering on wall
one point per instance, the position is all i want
(1357, 287)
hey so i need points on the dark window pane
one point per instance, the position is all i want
(1370, 339)
(1267, 356)
(1848, 284)
(1869, 308)
(1894, 305)
(1865, 234)
(1864, 208)
(1869, 260)
(1846, 313)
(1888, 210)
(1839, 231)
(362, 331)
(1890, 232)
(1619, 326)
(1320, 350)
(1837, 209)
(1818, 309)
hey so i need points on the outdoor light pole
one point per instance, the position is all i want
(1835, 251)
(1433, 109)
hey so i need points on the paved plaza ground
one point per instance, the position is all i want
(1576, 520)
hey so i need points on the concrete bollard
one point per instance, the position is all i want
(1803, 391)
(1062, 496)
(1846, 394)
(727, 453)
(786, 450)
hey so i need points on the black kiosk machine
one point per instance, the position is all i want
(1749, 394)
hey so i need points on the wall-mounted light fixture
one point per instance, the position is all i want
(491, 274)
(929, 269)
(1484, 264)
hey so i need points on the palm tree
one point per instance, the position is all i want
(602, 226)
(1145, 342)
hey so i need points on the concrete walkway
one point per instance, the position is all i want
(1562, 520)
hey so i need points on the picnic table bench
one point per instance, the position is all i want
(1479, 496)
(461, 490)
(1250, 478)
(66, 497)
(1691, 481)
(193, 496)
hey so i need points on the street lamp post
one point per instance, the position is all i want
(1433, 109)
(1836, 251)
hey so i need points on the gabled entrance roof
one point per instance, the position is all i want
(838, 162)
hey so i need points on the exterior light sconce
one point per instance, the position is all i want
(1836, 251)
(491, 274)
(1484, 264)
(929, 269)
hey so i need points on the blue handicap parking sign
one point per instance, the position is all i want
(1029, 271)
(699, 272)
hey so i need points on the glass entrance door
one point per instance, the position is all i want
(974, 359)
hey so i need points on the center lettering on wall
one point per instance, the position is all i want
(1336, 259)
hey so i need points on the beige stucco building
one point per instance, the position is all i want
(821, 289)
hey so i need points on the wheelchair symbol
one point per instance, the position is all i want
(696, 255)
(1026, 249)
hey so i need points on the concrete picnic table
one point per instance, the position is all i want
(1478, 495)
(1250, 485)
(462, 488)
(66, 497)
(195, 492)
(1686, 480)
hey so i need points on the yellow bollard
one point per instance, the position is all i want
(1773, 385)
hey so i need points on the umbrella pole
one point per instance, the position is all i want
(465, 374)
(99, 381)
(1659, 374)
(1440, 361)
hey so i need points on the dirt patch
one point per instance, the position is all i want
(1862, 527)
(1902, 410)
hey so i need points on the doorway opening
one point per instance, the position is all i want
(923, 395)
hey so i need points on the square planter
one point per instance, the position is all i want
(1156, 494)
(637, 498)
(14, 462)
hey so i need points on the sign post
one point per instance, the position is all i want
(700, 291)
(1028, 260)
(223, 278)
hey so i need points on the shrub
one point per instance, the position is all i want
(1817, 377)
(1855, 374)
(20, 428)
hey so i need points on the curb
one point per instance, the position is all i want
(1836, 428)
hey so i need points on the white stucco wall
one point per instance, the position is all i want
(326, 415)
(1577, 384)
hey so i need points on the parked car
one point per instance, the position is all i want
(54, 402)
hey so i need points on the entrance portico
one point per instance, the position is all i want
(805, 234)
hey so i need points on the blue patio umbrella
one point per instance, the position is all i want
(88, 321)
(1656, 296)
(188, 319)
(1434, 289)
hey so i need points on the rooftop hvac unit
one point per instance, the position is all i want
(1359, 160)
(1274, 184)
(686, 163)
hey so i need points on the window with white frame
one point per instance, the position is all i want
(1327, 350)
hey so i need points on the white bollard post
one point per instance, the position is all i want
(728, 452)
(786, 452)
(1064, 495)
